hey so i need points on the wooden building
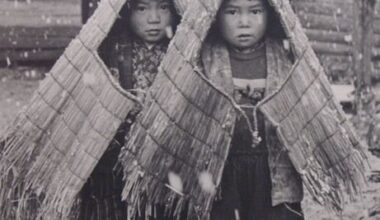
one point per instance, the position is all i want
(329, 25)
(37, 31)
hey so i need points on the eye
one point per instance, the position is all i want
(257, 11)
(230, 11)
(165, 6)
(141, 8)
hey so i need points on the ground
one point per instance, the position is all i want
(16, 87)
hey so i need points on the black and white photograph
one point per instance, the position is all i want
(189, 109)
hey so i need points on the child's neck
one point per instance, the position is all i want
(150, 45)
(248, 50)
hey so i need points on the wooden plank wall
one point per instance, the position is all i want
(34, 43)
(38, 31)
(376, 48)
(329, 26)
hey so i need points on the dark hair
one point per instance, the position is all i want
(274, 26)
(121, 25)
(120, 30)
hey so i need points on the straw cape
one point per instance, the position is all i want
(58, 139)
(184, 129)
(308, 119)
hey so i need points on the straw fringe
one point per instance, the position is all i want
(311, 124)
(309, 120)
(183, 127)
(56, 142)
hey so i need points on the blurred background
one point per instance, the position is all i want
(345, 34)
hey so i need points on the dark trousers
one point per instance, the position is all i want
(246, 192)
(101, 195)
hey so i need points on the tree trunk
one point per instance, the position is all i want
(363, 42)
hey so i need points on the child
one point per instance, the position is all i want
(259, 181)
(133, 52)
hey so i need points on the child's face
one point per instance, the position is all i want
(243, 23)
(150, 18)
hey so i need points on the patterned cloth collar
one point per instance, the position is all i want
(145, 62)
(140, 44)
(257, 52)
(254, 51)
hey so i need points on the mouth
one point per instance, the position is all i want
(244, 36)
(153, 32)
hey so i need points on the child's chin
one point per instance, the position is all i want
(245, 44)
(153, 39)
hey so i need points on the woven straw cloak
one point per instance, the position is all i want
(58, 139)
(185, 126)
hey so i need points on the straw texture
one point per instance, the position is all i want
(311, 124)
(183, 128)
(177, 133)
(61, 135)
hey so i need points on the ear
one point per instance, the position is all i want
(169, 32)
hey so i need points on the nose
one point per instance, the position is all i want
(154, 17)
(243, 20)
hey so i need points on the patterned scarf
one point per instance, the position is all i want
(145, 62)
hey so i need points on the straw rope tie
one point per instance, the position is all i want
(76, 139)
(100, 28)
(84, 44)
(97, 98)
(49, 104)
(43, 131)
(312, 119)
(328, 137)
(34, 123)
(182, 129)
(268, 98)
(168, 151)
(300, 98)
(69, 95)
(115, 84)
(59, 115)
(229, 98)
(71, 62)
(87, 113)
(207, 7)
(54, 145)
(117, 12)
(187, 99)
